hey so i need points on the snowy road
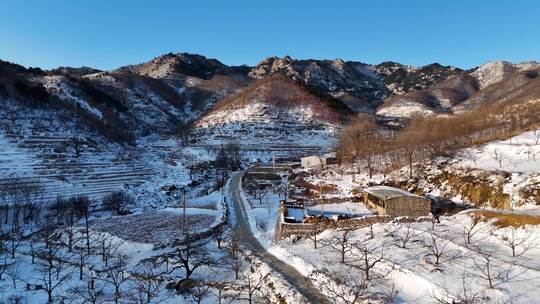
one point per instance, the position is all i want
(293, 277)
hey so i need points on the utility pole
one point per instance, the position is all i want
(184, 212)
(321, 198)
(223, 174)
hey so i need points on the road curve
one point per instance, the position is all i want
(291, 275)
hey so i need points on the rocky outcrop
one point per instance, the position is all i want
(170, 65)
(361, 86)
(474, 186)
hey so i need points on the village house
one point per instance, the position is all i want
(396, 202)
(317, 161)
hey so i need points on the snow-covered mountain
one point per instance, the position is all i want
(490, 83)
(272, 111)
(176, 91)
(361, 86)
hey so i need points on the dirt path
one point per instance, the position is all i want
(291, 275)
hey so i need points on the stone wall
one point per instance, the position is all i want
(413, 206)
(304, 229)
(420, 213)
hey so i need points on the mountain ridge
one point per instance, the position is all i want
(174, 91)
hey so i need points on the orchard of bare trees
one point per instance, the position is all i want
(371, 148)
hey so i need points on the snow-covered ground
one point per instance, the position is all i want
(350, 209)
(519, 154)
(260, 124)
(405, 109)
(413, 270)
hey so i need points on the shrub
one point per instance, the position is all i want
(37, 92)
(531, 74)
(118, 202)
(98, 96)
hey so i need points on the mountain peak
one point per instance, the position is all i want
(174, 64)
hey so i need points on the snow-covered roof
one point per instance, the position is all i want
(346, 208)
(324, 156)
(385, 192)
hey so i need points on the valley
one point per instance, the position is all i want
(184, 180)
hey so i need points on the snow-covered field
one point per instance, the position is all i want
(519, 154)
(413, 271)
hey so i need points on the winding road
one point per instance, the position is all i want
(291, 275)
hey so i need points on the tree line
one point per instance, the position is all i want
(366, 145)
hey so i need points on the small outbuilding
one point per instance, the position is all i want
(396, 202)
(318, 161)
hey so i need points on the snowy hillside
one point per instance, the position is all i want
(490, 83)
(261, 124)
(493, 72)
(519, 154)
(501, 174)
(271, 113)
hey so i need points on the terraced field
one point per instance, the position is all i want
(53, 162)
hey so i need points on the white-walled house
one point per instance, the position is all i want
(317, 161)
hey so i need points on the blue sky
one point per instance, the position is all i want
(107, 34)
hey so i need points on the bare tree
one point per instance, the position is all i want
(463, 295)
(470, 229)
(17, 204)
(498, 157)
(82, 208)
(235, 255)
(51, 271)
(409, 149)
(146, 285)
(345, 288)
(32, 243)
(59, 207)
(313, 235)
(91, 291)
(108, 248)
(437, 247)
(252, 281)
(254, 188)
(281, 188)
(228, 156)
(14, 272)
(404, 234)
(189, 257)
(219, 289)
(14, 242)
(514, 240)
(369, 254)
(81, 255)
(488, 269)
(220, 234)
(269, 206)
(115, 278)
(5, 197)
(199, 291)
(5, 264)
(29, 197)
(16, 299)
(341, 244)
(71, 235)
(118, 202)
